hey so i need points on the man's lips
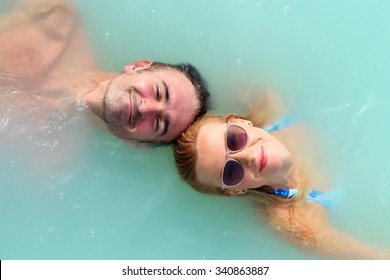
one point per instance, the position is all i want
(134, 116)
(263, 159)
(130, 111)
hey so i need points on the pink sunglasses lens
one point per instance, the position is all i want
(233, 173)
(236, 138)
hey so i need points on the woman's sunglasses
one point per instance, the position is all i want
(233, 171)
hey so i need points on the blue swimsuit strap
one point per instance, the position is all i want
(311, 195)
(319, 197)
(281, 123)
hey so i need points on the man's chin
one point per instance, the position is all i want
(120, 133)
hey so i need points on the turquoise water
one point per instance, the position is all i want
(84, 194)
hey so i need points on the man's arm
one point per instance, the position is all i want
(30, 4)
(32, 40)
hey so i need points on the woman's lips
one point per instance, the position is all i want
(263, 159)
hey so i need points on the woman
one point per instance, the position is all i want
(228, 155)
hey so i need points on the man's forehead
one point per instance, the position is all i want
(180, 117)
(181, 109)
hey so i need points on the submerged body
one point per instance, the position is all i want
(228, 155)
(44, 55)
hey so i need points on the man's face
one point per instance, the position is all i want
(149, 105)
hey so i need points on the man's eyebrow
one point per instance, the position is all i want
(167, 93)
(166, 126)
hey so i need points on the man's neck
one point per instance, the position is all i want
(91, 88)
(88, 82)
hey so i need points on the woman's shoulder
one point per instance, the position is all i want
(264, 107)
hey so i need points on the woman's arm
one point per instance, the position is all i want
(308, 227)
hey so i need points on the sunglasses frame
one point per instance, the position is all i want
(229, 152)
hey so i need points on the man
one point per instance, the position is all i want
(42, 50)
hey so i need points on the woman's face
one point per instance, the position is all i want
(264, 159)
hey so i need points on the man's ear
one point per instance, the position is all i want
(137, 65)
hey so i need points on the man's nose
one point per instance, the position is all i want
(147, 105)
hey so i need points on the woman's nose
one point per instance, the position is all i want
(246, 156)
